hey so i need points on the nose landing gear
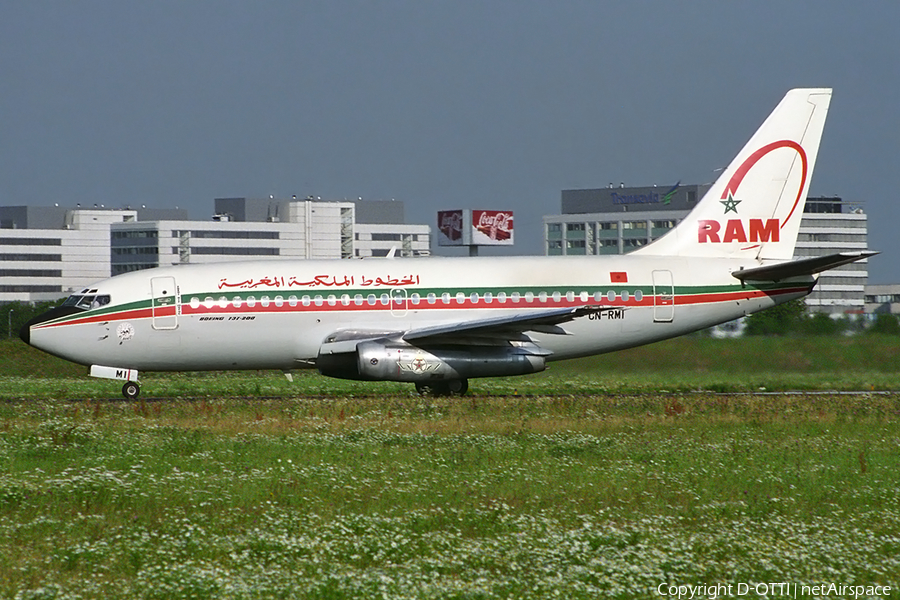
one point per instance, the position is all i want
(131, 390)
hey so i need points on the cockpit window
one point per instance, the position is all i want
(87, 302)
(71, 300)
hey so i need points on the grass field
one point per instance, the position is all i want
(594, 485)
(862, 362)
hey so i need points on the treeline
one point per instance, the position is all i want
(793, 318)
(13, 315)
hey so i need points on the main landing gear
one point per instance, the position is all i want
(452, 387)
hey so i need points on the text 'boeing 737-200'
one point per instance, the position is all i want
(437, 322)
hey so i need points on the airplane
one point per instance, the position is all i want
(438, 322)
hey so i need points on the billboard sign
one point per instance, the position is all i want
(468, 227)
(492, 227)
(450, 228)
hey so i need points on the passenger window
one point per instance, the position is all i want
(515, 296)
(488, 297)
(473, 297)
(638, 295)
(385, 299)
(292, 300)
(251, 301)
(236, 301)
(305, 300)
(195, 302)
(542, 296)
(557, 296)
(445, 298)
(432, 298)
(264, 301)
(371, 300)
(501, 297)
(279, 301)
(460, 298)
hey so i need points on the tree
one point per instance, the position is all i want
(821, 324)
(885, 323)
(16, 314)
(779, 320)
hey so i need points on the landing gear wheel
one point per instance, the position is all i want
(131, 390)
(454, 387)
(458, 387)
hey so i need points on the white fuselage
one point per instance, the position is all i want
(277, 314)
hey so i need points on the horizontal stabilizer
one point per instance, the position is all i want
(799, 268)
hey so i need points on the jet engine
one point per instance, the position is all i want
(398, 361)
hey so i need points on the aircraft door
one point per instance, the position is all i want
(164, 303)
(663, 297)
(399, 302)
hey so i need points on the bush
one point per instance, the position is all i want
(779, 320)
(885, 323)
(821, 324)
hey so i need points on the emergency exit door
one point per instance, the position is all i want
(663, 297)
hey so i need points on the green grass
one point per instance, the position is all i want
(425, 498)
(604, 477)
(862, 362)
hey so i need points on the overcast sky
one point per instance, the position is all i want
(440, 104)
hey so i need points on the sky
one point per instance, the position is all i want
(441, 104)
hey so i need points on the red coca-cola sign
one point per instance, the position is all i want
(492, 227)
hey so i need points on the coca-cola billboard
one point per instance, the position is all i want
(468, 227)
(492, 227)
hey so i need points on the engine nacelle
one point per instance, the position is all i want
(377, 361)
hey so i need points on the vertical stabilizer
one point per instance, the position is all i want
(753, 210)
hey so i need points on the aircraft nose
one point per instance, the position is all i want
(53, 313)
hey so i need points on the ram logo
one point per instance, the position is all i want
(709, 230)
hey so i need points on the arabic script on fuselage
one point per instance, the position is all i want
(319, 281)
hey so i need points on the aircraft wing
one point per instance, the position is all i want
(803, 266)
(543, 321)
(511, 327)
